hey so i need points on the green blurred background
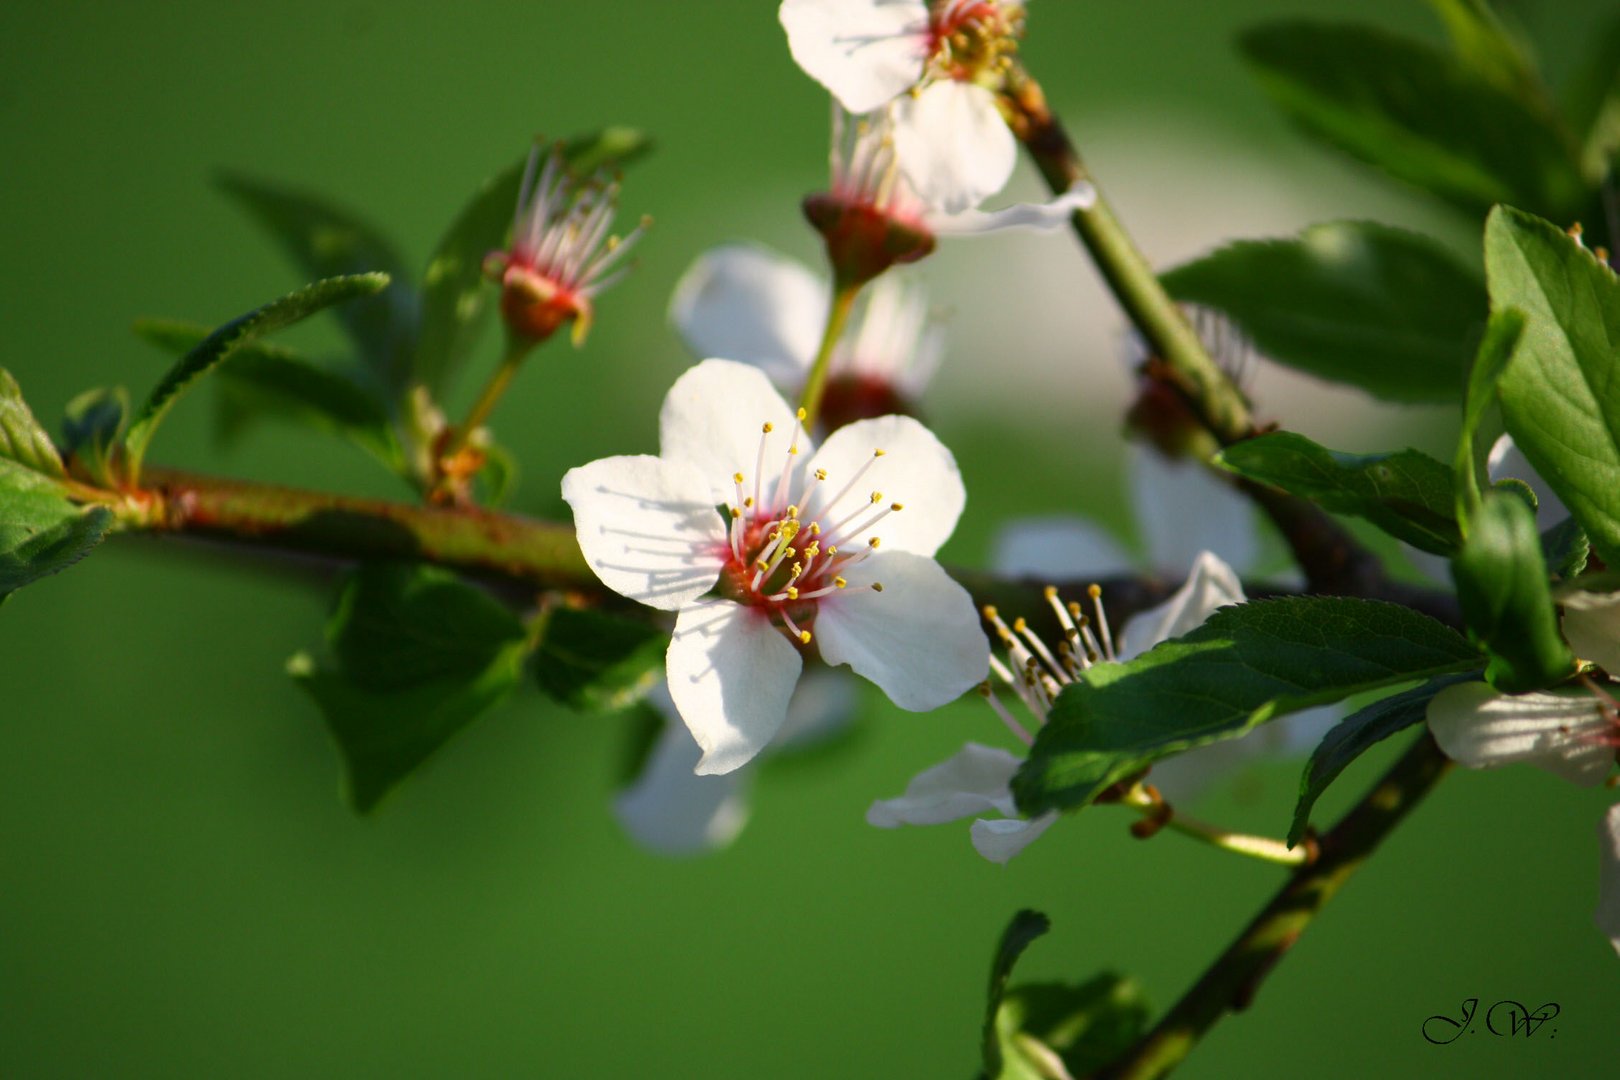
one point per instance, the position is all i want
(185, 894)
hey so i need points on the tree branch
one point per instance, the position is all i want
(1230, 984)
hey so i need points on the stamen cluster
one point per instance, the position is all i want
(1036, 673)
(789, 543)
(561, 251)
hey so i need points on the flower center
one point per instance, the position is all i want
(971, 40)
(790, 542)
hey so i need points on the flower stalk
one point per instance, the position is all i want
(1158, 814)
(815, 385)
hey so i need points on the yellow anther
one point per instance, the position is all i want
(804, 636)
(1094, 591)
(735, 513)
(877, 586)
(1074, 609)
(897, 506)
(798, 568)
(832, 551)
(989, 611)
(761, 564)
(802, 414)
(1020, 625)
(737, 476)
(877, 496)
(788, 553)
(792, 593)
(793, 450)
(749, 501)
(840, 582)
(815, 528)
(872, 543)
(821, 474)
(1050, 592)
(793, 512)
(878, 453)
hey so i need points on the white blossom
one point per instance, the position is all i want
(762, 544)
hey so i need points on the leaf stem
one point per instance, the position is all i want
(1158, 814)
(517, 347)
(1229, 985)
(843, 301)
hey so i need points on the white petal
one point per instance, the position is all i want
(953, 145)
(823, 705)
(750, 304)
(1608, 909)
(648, 527)
(1592, 625)
(972, 781)
(1055, 548)
(673, 812)
(1211, 585)
(1558, 730)
(1183, 509)
(712, 418)
(731, 673)
(1506, 460)
(915, 470)
(865, 52)
(918, 639)
(999, 839)
(1048, 216)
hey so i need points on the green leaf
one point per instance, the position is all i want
(1416, 112)
(596, 661)
(1560, 397)
(1354, 736)
(1247, 664)
(42, 531)
(268, 379)
(22, 440)
(326, 241)
(92, 427)
(1083, 1026)
(1407, 494)
(1025, 927)
(1566, 549)
(222, 343)
(454, 299)
(418, 655)
(1592, 102)
(1502, 335)
(1483, 43)
(1502, 586)
(1377, 307)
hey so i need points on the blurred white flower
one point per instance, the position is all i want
(670, 810)
(794, 548)
(750, 304)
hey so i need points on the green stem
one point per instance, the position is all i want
(1232, 981)
(1219, 403)
(517, 347)
(539, 554)
(1157, 811)
(843, 301)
